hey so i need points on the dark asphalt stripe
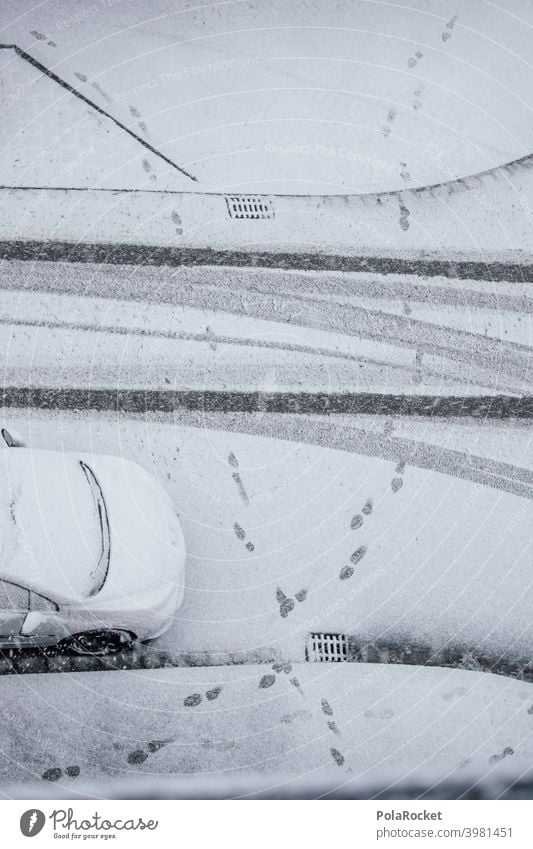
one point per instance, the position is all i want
(47, 72)
(131, 254)
(167, 401)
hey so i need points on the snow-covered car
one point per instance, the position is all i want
(91, 551)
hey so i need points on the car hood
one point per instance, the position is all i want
(147, 545)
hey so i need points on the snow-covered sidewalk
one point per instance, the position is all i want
(345, 721)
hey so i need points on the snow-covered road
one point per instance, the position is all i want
(192, 328)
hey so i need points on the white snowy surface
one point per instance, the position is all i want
(308, 97)
(434, 557)
(49, 137)
(297, 101)
(76, 324)
(343, 722)
(50, 538)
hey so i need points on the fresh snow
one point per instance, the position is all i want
(412, 532)
(189, 328)
(396, 549)
(307, 97)
(344, 722)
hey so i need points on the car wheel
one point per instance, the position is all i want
(99, 642)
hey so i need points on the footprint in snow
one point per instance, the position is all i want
(178, 222)
(412, 62)
(326, 707)
(137, 757)
(367, 509)
(494, 759)
(447, 34)
(282, 666)
(404, 217)
(55, 773)
(240, 533)
(337, 757)
(193, 700)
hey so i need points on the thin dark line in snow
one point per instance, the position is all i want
(49, 73)
(215, 339)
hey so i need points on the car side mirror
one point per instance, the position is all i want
(31, 623)
(11, 440)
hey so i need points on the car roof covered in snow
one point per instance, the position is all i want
(50, 535)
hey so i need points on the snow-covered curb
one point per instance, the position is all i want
(485, 217)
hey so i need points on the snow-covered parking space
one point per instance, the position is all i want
(379, 536)
(347, 721)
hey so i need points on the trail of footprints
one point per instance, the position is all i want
(391, 117)
(83, 78)
(358, 520)
(40, 37)
(139, 756)
(55, 773)
(335, 753)
(240, 533)
(447, 34)
(287, 604)
(234, 463)
(356, 523)
(136, 114)
(412, 62)
(270, 679)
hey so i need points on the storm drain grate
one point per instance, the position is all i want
(323, 648)
(248, 206)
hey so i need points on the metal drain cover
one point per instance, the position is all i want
(326, 648)
(249, 206)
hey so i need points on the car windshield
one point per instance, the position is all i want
(99, 573)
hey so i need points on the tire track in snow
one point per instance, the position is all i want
(211, 338)
(137, 284)
(482, 355)
(132, 254)
(301, 403)
(226, 413)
